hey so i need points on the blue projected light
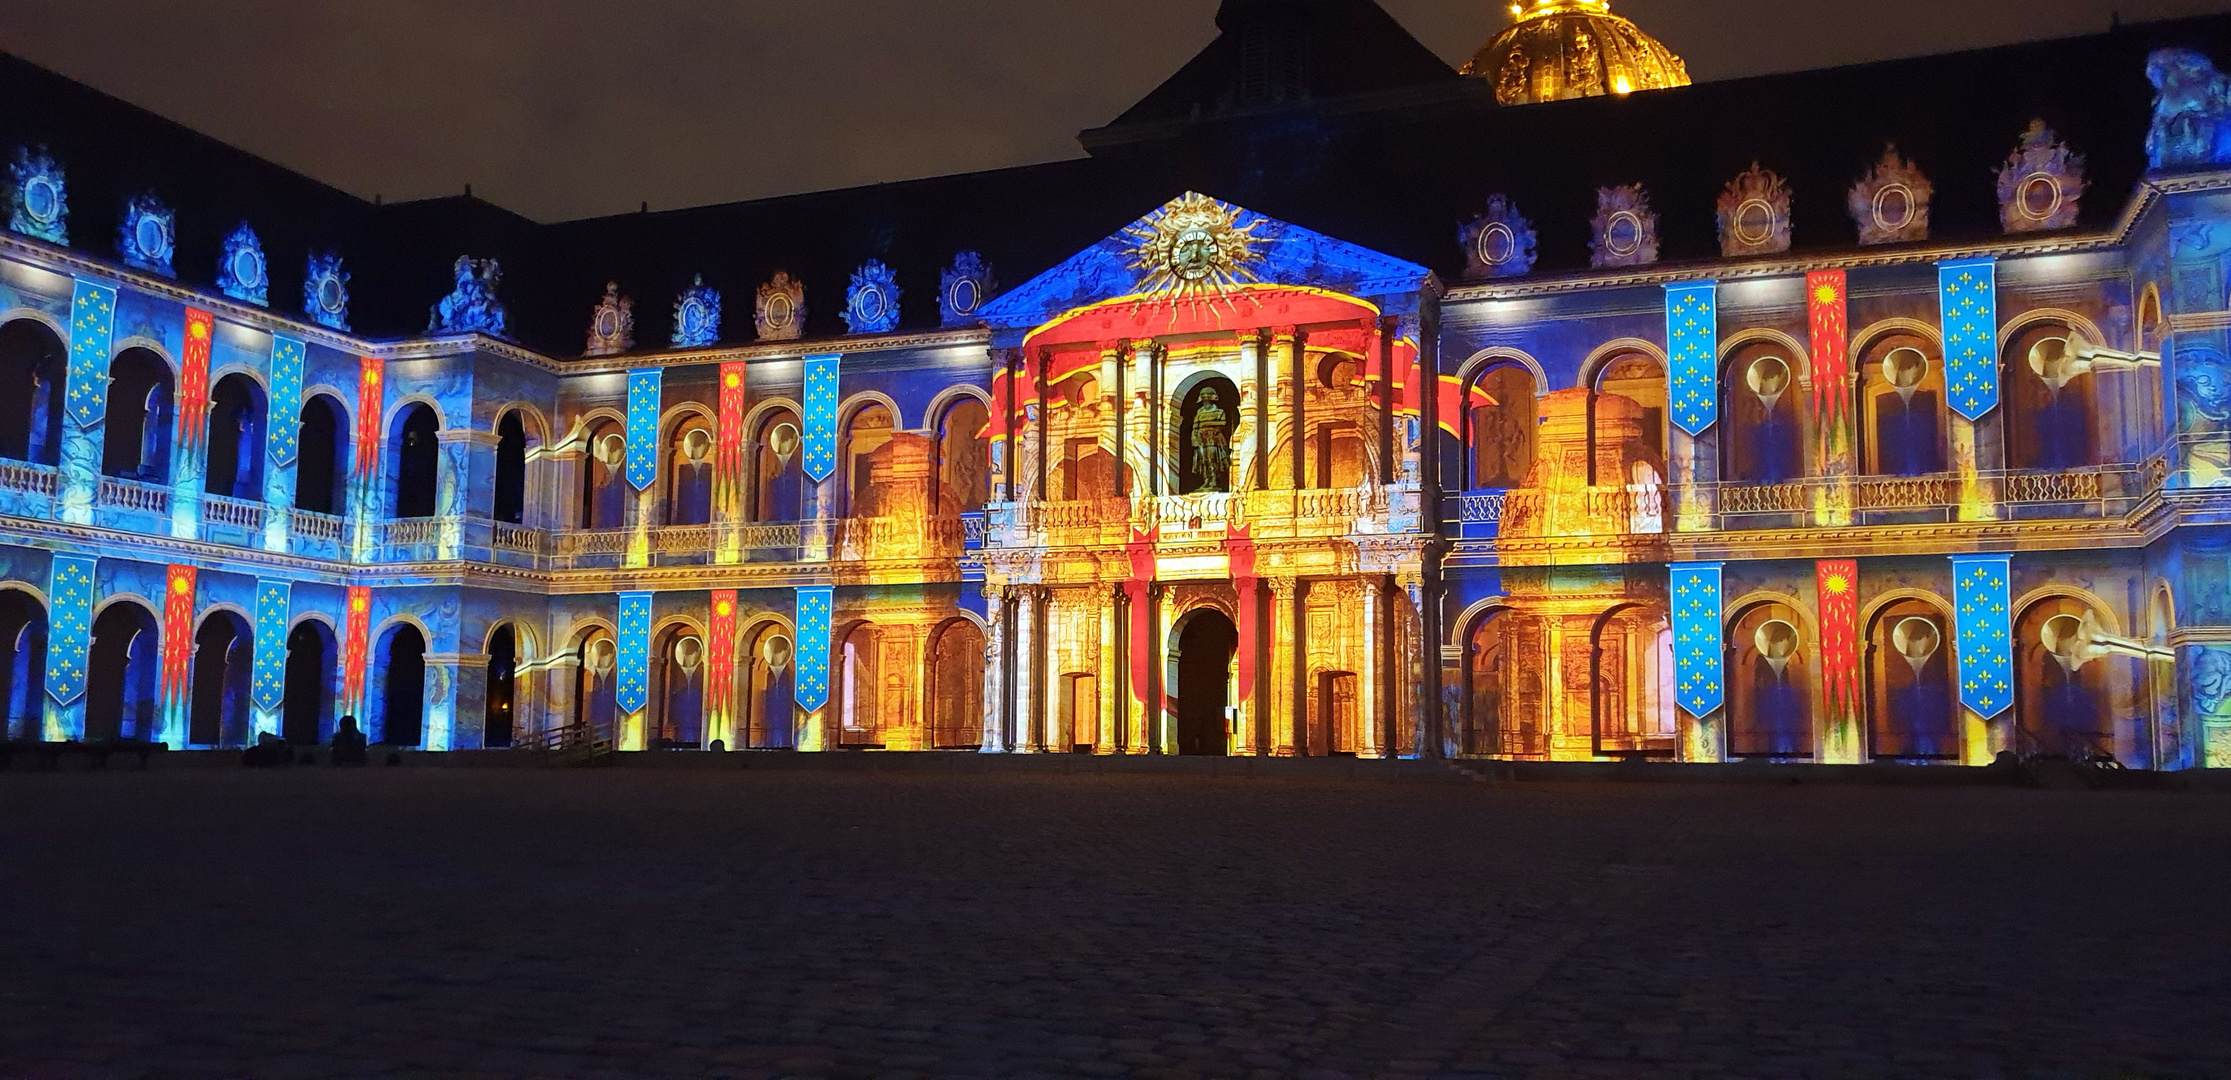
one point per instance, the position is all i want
(814, 605)
(286, 397)
(1985, 610)
(273, 601)
(241, 271)
(1968, 301)
(40, 204)
(1698, 663)
(148, 237)
(821, 416)
(697, 316)
(642, 426)
(632, 693)
(1693, 348)
(871, 305)
(325, 292)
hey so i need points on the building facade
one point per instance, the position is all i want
(1930, 489)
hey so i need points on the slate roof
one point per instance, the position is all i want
(1396, 167)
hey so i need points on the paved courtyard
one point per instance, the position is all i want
(822, 923)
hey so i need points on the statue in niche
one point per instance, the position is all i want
(1754, 214)
(2041, 184)
(471, 306)
(2192, 112)
(1890, 204)
(1211, 444)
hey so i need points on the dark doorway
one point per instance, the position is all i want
(1204, 664)
(135, 443)
(308, 713)
(503, 661)
(403, 694)
(23, 667)
(511, 469)
(223, 655)
(33, 366)
(236, 418)
(120, 697)
(417, 462)
(321, 457)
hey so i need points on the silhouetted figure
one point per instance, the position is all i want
(349, 744)
(269, 752)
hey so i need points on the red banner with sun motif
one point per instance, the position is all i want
(720, 667)
(1825, 301)
(371, 395)
(1838, 583)
(728, 446)
(193, 383)
(178, 647)
(355, 649)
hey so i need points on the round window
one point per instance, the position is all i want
(963, 296)
(779, 311)
(1497, 244)
(152, 238)
(330, 296)
(1624, 237)
(42, 200)
(247, 268)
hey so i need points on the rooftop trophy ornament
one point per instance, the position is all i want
(2192, 112)
(1499, 243)
(697, 316)
(964, 288)
(1193, 249)
(242, 272)
(2041, 183)
(39, 203)
(871, 304)
(471, 306)
(1890, 204)
(148, 237)
(325, 292)
(1754, 214)
(612, 328)
(780, 314)
(1625, 229)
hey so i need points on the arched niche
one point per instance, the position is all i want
(142, 406)
(322, 456)
(1208, 416)
(34, 369)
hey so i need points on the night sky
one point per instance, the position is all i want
(570, 108)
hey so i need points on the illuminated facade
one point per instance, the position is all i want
(1941, 472)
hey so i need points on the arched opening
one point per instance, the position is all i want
(2064, 683)
(766, 697)
(1770, 684)
(604, 478)
(322, 456)
(2171, 750)
(306, 717)
(123, 674)
(1631, 690)
(1910, 693)
(236, 423)
(1492, 724)
(2049, 395)
(1640, 379)
(1078, 726)
(224, 659)
(1901, 395)
(1336, 455)
(1761, 434)
(1207, 644)
(1502, 428)
(689, 472)
(867, 692)
(1083, 469)
(1206, 417)
(496, 725)
(402, 662)
(34, 366)
(417, 461)
(511, 468)
(679, 723)
(136, 442)
(776, 487)
(23, 668)
(865, 456)
(595, 681)
(963, 475)
(957, 700)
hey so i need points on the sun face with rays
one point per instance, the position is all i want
(1836, 584)
(1824, 294)
(1194, 249)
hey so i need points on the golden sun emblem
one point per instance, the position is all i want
(1825, 294)
(1193, 249)
(1837, 586)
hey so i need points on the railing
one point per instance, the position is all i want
(406, 532)
(972, 530)
(1482, 506)
(121, 494)
(1586, 511)
(771, 536)
(311, 525)
(22, 476)
(1191, 511)
(573, 543)
(681, 539)
(2084, 492)
(232, 513)
(520, 538)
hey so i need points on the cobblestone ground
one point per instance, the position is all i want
(765, 923)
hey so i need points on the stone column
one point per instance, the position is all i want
(1141, 425)
(1371, 688)
(1423, 705)
(1250, 436)
(1111, 406)
(1110, 673)
(1289, 352)
(995, 669)
(1028, 644)
(1163, 739)
(1287, 739)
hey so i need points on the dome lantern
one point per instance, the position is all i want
(1559, 49)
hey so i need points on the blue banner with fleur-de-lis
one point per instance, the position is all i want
(1984, 609)
(812, 655)
(1968, 304)
(632, 692)
(642, 426)
(1699, 662)
(820, 452)
(273, 601)
(92, 330)
(1693, 353)
(282, 431)
(69, 638)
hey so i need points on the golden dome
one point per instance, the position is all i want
(1558, 49)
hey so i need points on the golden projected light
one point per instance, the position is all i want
(1193, 249)
(1904, 368)
(783, 440)
(1917, 639)
(1776, 641)
(1769, 378)
(690, 654)
(775, 653)
(1559, 49)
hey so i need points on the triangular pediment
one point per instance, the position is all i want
(1241, 247)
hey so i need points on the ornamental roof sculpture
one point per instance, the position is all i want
(39, 204)
(963, 288)
(2192, 112)
(471, 306)
(1754, 214)
(612, 327)
(1890, 204)
(1559, 49)
(2041, 184)
(871, 304)
(325, 292)
(1193, 249)
(242, 272)
(780, 312)
(697, 316)
(1499, 243)
(1625, 229)
(147, 237)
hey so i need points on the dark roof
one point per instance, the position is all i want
(1397, 167)
(1279, 52)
